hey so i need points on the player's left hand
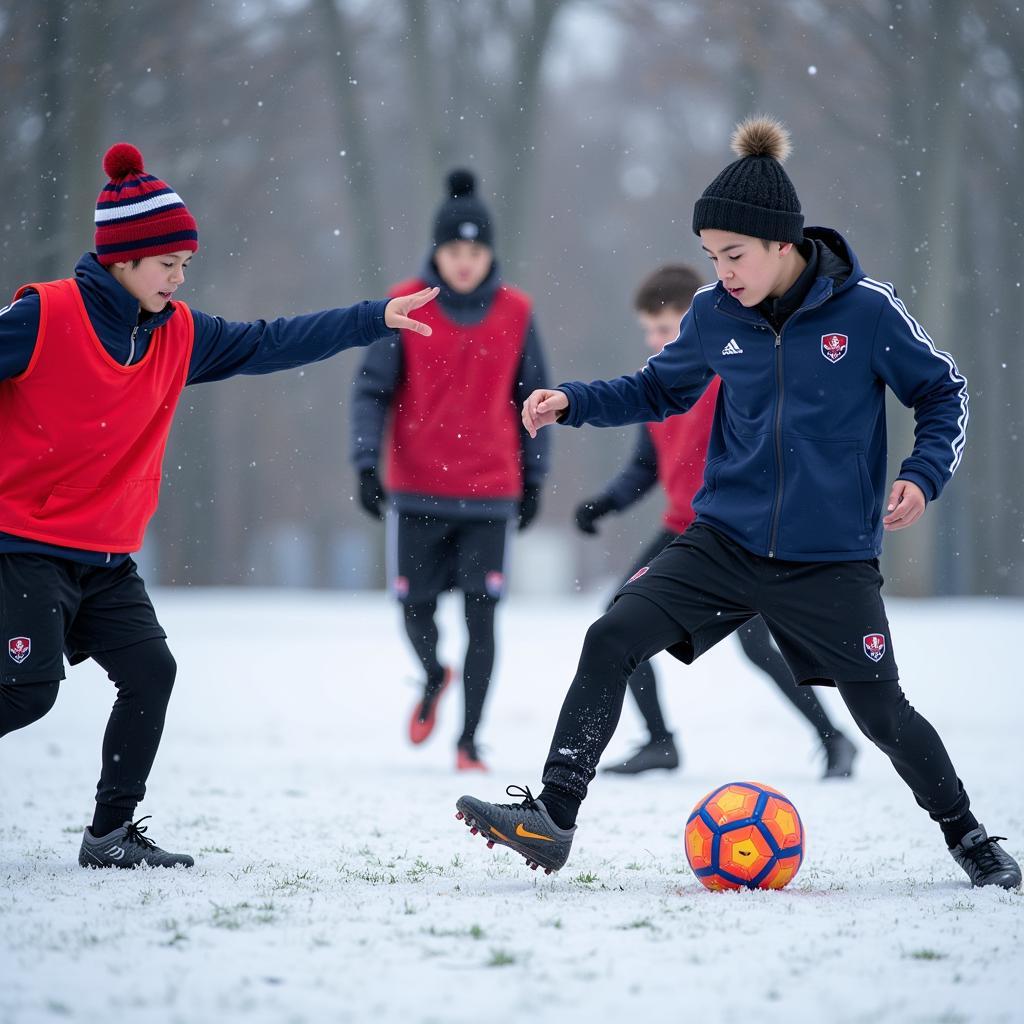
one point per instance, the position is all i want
(906, 505)
(395, 312)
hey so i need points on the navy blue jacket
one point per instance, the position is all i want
(380, 375)
(221, 349)
(797, 457)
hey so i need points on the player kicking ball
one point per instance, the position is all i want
(789, 522)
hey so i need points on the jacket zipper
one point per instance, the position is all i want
(780, 393)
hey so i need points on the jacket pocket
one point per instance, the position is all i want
(707, 490)
(827, 498)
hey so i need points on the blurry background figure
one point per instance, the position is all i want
(460, 466)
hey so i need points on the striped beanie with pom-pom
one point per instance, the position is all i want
(137, 214)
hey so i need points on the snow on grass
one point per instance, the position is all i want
(333, 883)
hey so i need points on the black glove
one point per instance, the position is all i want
(589, 511)
(529, 505)
(371, 494)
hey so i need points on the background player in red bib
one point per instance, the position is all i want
(459, 467)
(673, 452)
(91, 370)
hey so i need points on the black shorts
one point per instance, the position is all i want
(53, 606)
(828, 618)
(430, 554)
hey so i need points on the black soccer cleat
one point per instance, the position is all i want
(525, 827)
(840, 754)
(985, 861)
(655, 754)
(127, 847)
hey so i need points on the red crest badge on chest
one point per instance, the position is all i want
(833, 346)
(874, 646)
(19, 648)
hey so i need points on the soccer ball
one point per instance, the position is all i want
(744, 835)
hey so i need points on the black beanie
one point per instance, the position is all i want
(753, 195)
(462, 216)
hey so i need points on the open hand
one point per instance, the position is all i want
(906, 505)
(541, 409)
(395, 312)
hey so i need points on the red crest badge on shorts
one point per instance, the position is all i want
(874, 646)
(494, 583)
(833, 346)
(19, 648)
(636, 575)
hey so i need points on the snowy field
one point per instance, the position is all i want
(334, 884)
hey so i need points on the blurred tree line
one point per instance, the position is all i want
(311, 137)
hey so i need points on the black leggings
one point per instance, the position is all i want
(476, 672)
(144, 676)
(635, 629)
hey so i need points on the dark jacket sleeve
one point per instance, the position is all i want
(374, 387)
(637, 477)
(224, 349)
(927, 380)
(532, 374)
(19, 326)
(669, 383)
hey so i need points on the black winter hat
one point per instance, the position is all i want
(753, 195)
(463, 216)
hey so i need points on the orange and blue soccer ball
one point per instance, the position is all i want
(744, 835)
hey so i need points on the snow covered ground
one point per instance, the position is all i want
(333, 883)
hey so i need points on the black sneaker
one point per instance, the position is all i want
(127, 847)
(839, 757)
(525, 827)
(660, 753)
(985, 861)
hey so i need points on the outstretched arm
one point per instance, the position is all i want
(225, 349)
(668, 384)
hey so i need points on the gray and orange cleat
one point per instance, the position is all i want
(525, 827)
(127, 847)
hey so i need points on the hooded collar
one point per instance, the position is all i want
(115, 313)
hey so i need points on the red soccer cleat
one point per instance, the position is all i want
(468, 760)
(421, 725)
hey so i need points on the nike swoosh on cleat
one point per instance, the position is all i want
(525, 834)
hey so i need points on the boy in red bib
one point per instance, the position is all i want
(459, 465)
(91, 370)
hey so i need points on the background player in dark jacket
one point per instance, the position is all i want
(673, 453)
(91, 370)
(790, 517)
(459, 465)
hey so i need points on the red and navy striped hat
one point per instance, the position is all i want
(137, 214)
